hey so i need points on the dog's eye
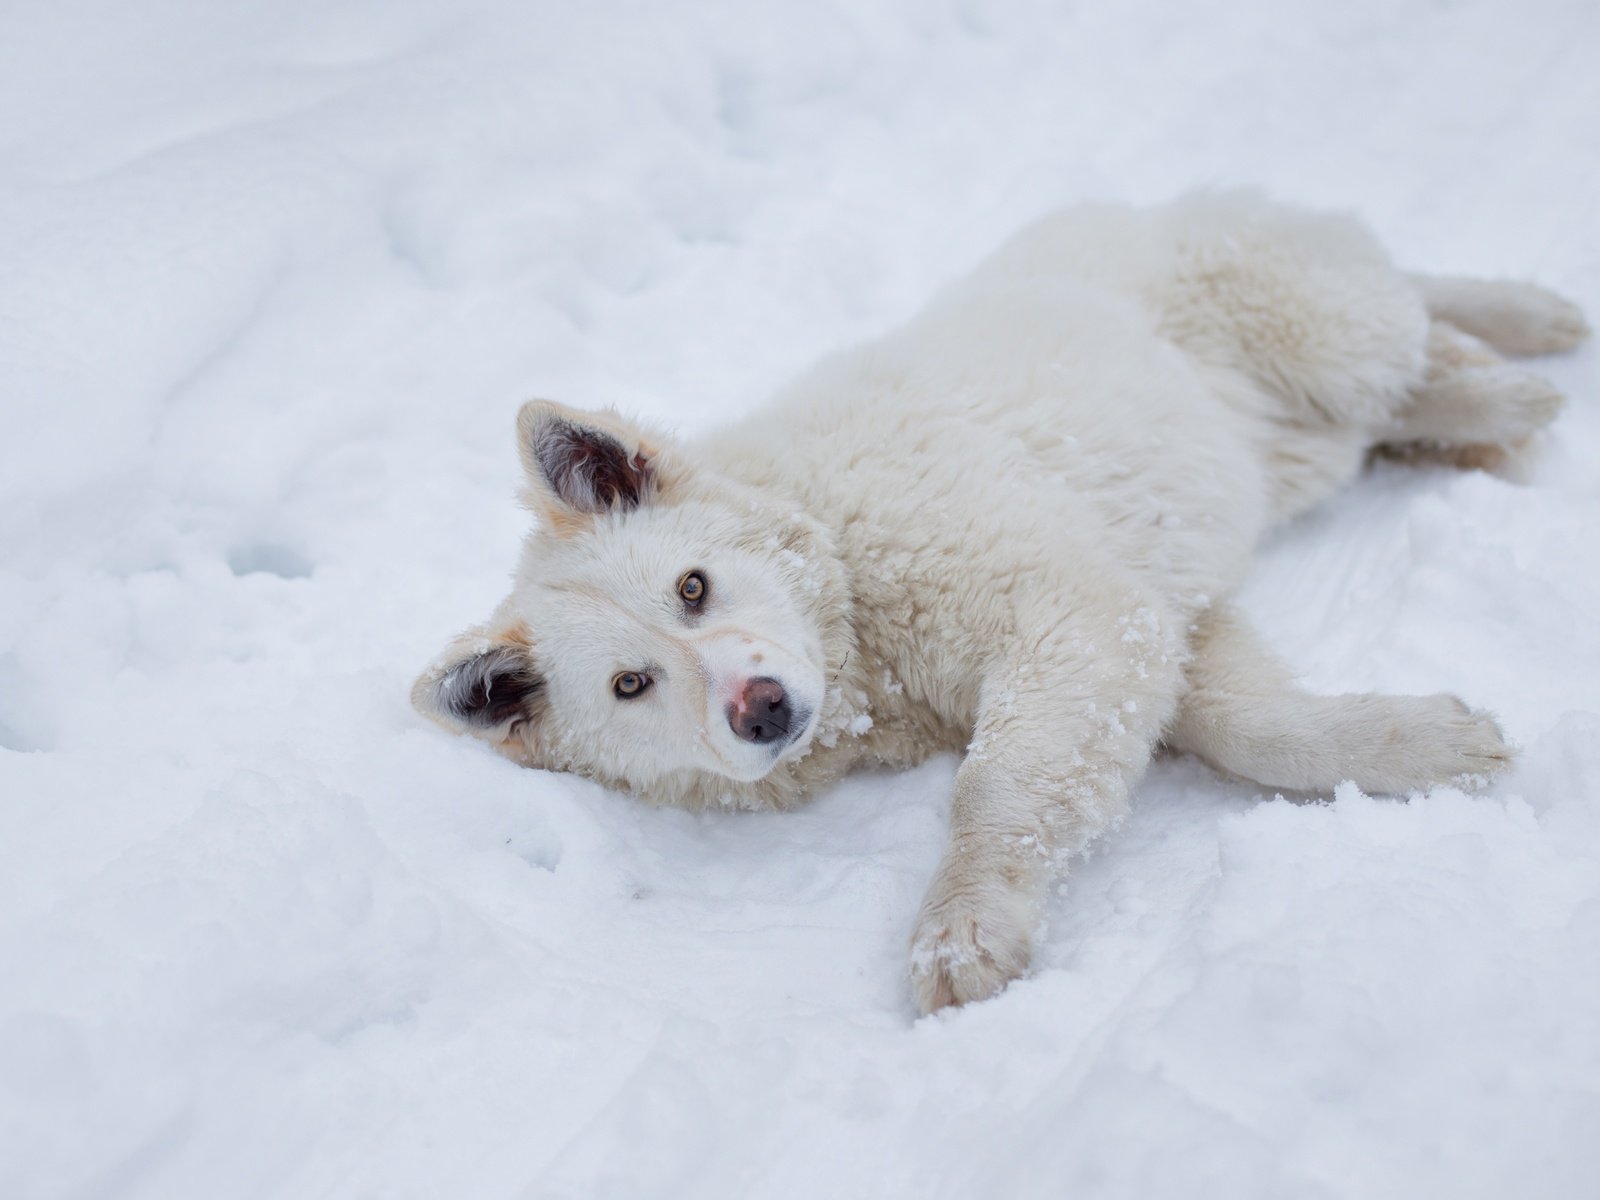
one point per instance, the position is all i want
(693, 588)
(630, 685)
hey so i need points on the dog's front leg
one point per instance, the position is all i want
(1066, 724)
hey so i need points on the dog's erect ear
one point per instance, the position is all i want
(584, 462)
(481, 683)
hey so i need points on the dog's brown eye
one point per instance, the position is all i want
(629, 685)
(692, 587)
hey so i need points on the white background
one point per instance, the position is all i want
(274, 279)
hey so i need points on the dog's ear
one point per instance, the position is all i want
(482, 684)
(583, 463)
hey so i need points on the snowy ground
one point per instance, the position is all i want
(273, 280)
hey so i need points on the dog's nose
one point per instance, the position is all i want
(761, 712)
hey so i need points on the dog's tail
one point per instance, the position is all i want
(1514, 318)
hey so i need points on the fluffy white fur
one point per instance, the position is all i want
(1009, 528)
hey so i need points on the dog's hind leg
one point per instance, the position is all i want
(1514, 318)
(1245, 715)
(1471, 396)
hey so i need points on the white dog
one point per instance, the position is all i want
(1009, 528)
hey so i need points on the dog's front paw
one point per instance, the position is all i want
(971, 940)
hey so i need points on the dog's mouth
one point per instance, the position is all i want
(801, 726)
(793, 742)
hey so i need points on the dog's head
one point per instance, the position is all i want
(667, 624)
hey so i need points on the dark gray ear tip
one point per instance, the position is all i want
(486, 690)
(587, 468)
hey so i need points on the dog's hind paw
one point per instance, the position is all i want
(1471, 748)
(969, 943)
(1436, 740)
(1529, 319)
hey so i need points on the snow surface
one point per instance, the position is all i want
(273, 280)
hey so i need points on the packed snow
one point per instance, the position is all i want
(274, 279)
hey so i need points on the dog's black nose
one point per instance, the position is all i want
(761, 713)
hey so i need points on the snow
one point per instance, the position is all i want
(273, 281)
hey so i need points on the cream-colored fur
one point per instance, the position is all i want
(1008, 528)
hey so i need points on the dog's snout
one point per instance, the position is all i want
(761, 712)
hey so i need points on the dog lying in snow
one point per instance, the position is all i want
(1009, 528)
